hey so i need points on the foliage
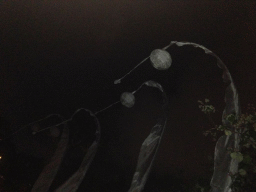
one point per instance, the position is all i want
(245, 128)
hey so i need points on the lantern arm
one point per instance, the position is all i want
(45, 179)
(223, 164)
(149, 147)
(73, 183)
(49, 172)
(148, 152)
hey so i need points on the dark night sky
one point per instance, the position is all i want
(58, 56)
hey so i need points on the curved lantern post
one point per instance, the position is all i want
(223, 163)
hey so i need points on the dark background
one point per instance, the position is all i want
(58, 56)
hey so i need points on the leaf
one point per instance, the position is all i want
(231, 118)
(247, 159)
(237, 156)
(227, 132)
(221, 128)
(242, 172)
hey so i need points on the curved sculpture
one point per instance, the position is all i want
(223, 164)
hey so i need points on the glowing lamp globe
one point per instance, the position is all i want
(127, 99)
(160, 59)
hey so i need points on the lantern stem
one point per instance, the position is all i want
(106, 108)
(119, 80)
